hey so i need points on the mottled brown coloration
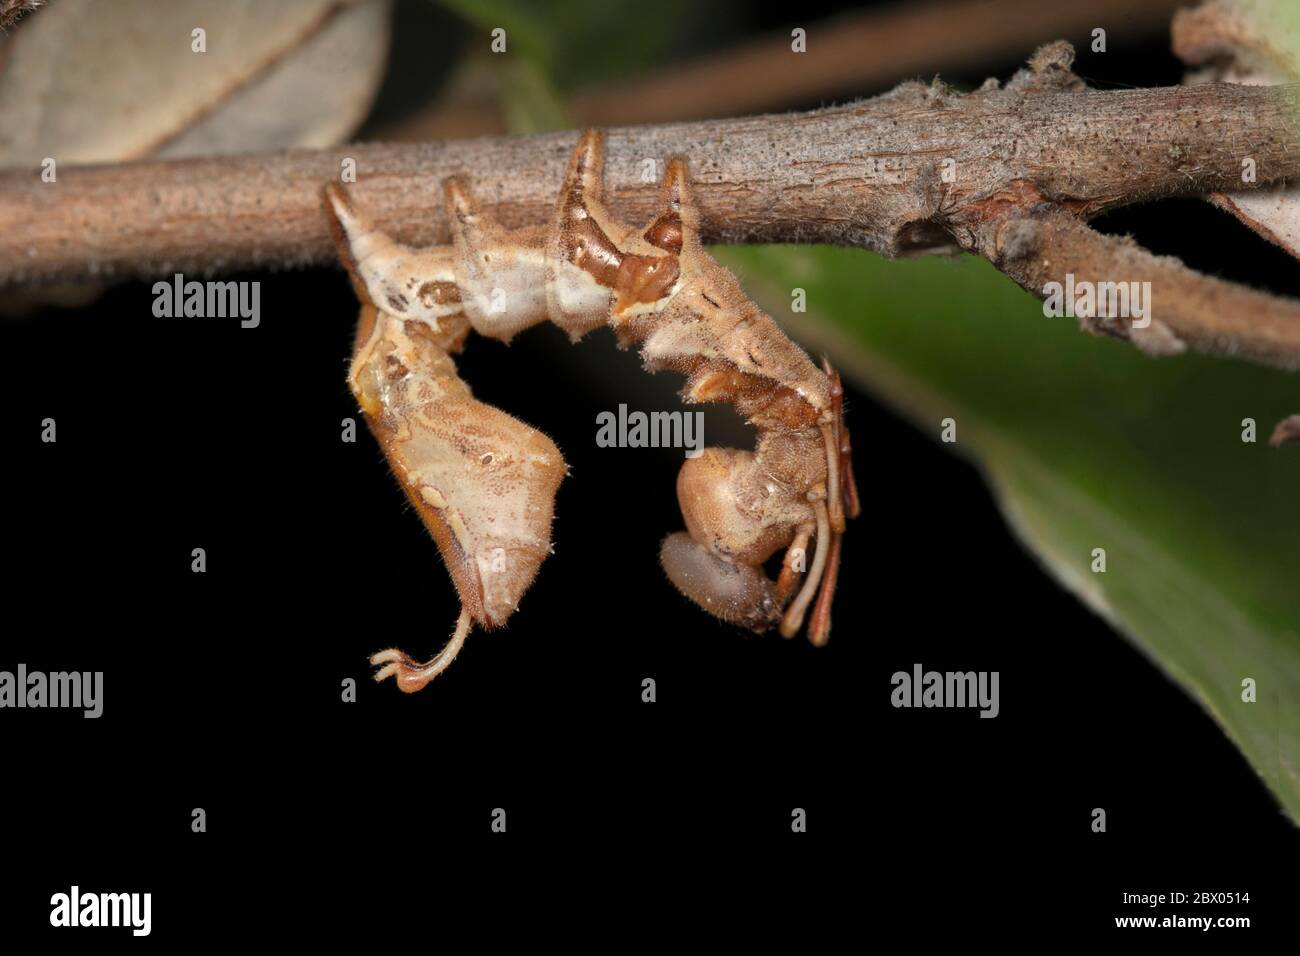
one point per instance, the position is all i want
(666, 233)
(643, 280)
(484, 483)
(439, 293)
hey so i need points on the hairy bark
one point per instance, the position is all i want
(1186, 309)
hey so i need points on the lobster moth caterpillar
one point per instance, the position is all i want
(484, 483)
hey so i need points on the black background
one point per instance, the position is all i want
(222, 690)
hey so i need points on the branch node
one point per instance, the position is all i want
(1048, 70)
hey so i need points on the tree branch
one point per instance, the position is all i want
(1185, 308)
(920, 168)
(923, 36)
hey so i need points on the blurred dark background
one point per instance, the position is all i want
(223, 689)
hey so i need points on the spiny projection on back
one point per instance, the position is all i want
(484, 482)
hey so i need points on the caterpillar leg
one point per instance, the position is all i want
(819, 625)
(792, 620)
(793, 565)
(842, 502)
(843, 491)
(412, 676)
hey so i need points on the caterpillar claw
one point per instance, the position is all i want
(410, 675)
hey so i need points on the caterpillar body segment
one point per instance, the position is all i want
(484, 482)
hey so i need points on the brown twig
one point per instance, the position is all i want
(917, 169)
(922, 36)
(902, 40)
(1186, 309)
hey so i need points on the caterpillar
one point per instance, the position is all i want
(484, 483)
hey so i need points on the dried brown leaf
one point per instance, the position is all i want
(100, 82)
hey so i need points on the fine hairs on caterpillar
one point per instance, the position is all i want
(484, 483)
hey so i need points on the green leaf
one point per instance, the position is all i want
(582, 42)
(1089, 444)
(531, 104)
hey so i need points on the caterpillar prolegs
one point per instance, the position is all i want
(484, 483)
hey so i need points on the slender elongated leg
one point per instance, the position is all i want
(819, 625)
(834, 457)
(797, 553)
(792, 620)
(852, 506)
(842, 501)
(411, 675)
